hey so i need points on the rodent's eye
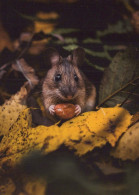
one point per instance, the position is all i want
(58, 77)
(76, 78)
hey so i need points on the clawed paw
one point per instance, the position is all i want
(52, 110)
(77, 110)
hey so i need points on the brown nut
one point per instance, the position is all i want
(65, 111)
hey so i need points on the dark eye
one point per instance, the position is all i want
(58, 77)
(76, 78)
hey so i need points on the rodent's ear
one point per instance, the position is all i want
(53, 56)
(78, 56)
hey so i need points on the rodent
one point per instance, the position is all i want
(66, 83)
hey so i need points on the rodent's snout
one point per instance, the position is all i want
(68, 93)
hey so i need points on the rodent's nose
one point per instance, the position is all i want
(68, 92)
(69, 97)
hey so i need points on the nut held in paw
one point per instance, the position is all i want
(65, 111)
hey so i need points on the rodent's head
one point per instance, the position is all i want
(64, 78)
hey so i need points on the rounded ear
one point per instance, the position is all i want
(78, 56)
(52, 56)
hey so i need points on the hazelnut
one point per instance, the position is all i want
(65, 111)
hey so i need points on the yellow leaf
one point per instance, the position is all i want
(45, 26)
(94, 129)
(128, 145)
(35, 186)
(82, 133)
(7, 186)
(10, 110)
(26, 185)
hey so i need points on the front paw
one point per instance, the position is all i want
(52, 110)
(77, 110)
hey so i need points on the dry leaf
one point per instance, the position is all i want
(10, 110)
(27, 71)
(128, 146)
(25, 185)
(94, 129)
(5, 41)
(35, 186)
(45, 26)
(107, 168)
(42, 26)
(83, 133)
(7, 186)
(135, 118)
(135, 20)
(37, 47)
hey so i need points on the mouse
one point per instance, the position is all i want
(66, 83)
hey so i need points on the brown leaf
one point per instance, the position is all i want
(128, 146)
(108, 168)
(10, 110)
(135, 20)
(135, 118)
(5, 41)
(27, 71)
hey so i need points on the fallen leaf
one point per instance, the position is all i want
(25, 185)
(27, 71)
(95, 129)
(128, 145)
(45, 26)
(10, 110)
(83, 134)
(37, 47)
(135, 21)
(35, 186)
(107, 168)
(5, 41)
(135, 118)
(7, 186)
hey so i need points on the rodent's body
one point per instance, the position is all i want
(65, 83)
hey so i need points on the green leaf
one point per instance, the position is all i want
(119, 27)
(104, 54)
(70, 47)
(64, 30)
(90, 40)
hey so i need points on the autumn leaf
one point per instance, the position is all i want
(10, 110)
(30, 185)
(135, 21)
(7, 186)
(107, 168)
(5, 41)
(27, 71)
(83, 134)
(128, 145)
(45, 26)
(95, 129)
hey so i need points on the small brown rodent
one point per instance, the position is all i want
(66, 83)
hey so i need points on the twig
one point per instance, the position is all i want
(117, 91)
(5, 65)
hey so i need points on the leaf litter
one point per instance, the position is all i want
(83, 134)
